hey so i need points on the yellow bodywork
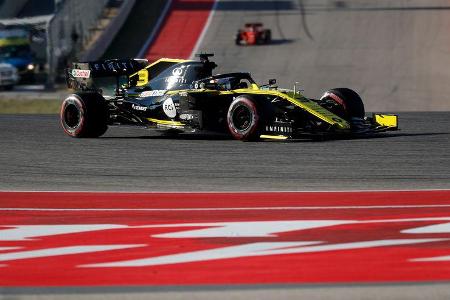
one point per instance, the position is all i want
(273, 137)
(299, 100)
(306, 104)
(386, 120)
(302, 102)
(145, 74)
(165, 122)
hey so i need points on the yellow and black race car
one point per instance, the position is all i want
(184, 96)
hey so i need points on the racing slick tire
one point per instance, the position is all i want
(244, 119)
(238, 39)
(349, 107)
(84, 115)
(349, 102)
(267, 36)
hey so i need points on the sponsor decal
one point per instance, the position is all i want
(223, 238)
(278, 128)
(77, 73)
(268, 233)
(274, 244)
(178, 72)
(169, 108)
(186, 117)
(113, 66)
(177, 76)
(138, 107)
(174, 79)
(154, 93)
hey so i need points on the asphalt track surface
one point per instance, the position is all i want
(395, 53)
(37, 155)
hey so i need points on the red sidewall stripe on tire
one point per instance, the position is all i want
(336, 98)
(255, 117)
(82, 115)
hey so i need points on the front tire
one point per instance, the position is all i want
(349, 106)
(244, 118)
(84, 115)
(349, 103)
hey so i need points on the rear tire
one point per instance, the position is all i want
(268, 36)
(84, 115)
(244, 119)
(238, 39)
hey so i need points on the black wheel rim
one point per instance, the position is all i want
(242, 118)
(72, 116)
(337, 109)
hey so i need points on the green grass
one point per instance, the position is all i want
(29, 106)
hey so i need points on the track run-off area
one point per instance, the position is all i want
(55, 239)
(181, 27)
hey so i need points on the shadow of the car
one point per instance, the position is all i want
(188, 137)
(280, 41)
(273, 42)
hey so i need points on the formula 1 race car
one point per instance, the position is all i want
(178, 96)
(253, 34)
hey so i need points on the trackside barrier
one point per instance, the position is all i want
(10, 9)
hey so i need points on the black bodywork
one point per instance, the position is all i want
(184, 96)
(148, 105)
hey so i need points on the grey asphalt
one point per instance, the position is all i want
(417, 291)
(37, 155)
(395, 53)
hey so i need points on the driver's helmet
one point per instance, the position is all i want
(226, 83)
(242, 85)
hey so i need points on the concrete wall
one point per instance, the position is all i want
(70, 29)
(10, 9)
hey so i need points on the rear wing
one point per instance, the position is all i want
(82, 75)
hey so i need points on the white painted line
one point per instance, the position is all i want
(205, 29)
(229, 208)
(257, 249)
(30, 232)
(273, 224)
(436, 258)
(155, 30)
(9, 248)
(63, 251)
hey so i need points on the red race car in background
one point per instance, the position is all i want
(253, 34)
